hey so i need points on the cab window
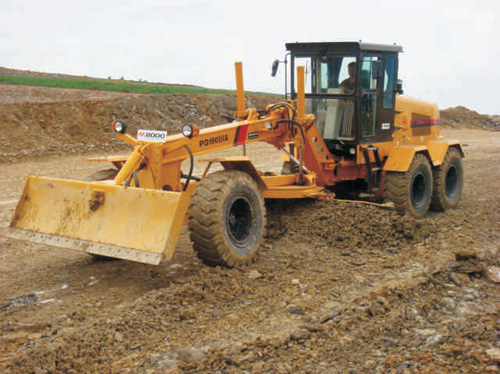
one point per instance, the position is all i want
(389, 73)
(368, 80)
(333, 75)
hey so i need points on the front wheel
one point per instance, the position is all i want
(411, 191)
(227, 219)
(448, 182)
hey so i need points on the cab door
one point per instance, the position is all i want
(377, 97)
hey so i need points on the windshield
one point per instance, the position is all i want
(337, 75)
(334, 75)
(331, 75)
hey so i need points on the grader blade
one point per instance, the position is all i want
(135, 224)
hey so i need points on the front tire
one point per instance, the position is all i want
(448, 182)
(411, 191)
(227, 219)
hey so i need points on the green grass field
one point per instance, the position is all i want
(103, 85)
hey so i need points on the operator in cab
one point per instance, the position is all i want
(349, 84)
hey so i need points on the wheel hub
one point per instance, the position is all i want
(239, 218)
(451, 184)
(418, 188)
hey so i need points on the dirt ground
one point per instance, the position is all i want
(338, 288)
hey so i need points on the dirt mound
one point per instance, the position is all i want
(38, 122)
(461, 117)
(53, 121)
(348, 226)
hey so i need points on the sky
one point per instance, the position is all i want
(451, 47)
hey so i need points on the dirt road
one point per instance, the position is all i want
(338, 288)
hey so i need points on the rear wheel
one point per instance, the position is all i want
(227, 219)
(448, 182)
(411, 191)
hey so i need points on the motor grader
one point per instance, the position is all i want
(346, 129)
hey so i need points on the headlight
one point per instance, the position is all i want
(119, 126)
(189, 130)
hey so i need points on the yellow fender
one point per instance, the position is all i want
(438, 148)
(400, 158)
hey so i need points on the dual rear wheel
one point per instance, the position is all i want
(422, 187)
(448, 182)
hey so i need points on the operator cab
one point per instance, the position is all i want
(350, 88)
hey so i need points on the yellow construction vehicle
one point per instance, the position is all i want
(346, 129)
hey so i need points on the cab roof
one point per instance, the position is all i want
(328, 48)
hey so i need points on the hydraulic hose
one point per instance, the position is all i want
(288, 106)
(294, 123)
(135, 176)
(303, 133)
(191, 167)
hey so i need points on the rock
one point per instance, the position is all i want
(377, 306)
(312, 327)
(493, 274)
(459, 278)
(448, 303)
(300, 334)
(165, 362)
(329, 316)
(494, 354)
(254, 274)
(295, 281)
(370, 364)
(468, 297)
(492, 369)
(406, 364)
(434, 339)
(465, 309)
(465, 254)
(191, 355)
(241, 359)
(18, 338)
(425, 332)
(468, 266)
(295, 309)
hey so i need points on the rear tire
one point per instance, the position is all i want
(448, 182)
(227, 219)
(411, 191)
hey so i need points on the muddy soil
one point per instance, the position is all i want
(339, 287)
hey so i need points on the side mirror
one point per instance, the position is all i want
(274, 68)
(399, 87)
(377, 69)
